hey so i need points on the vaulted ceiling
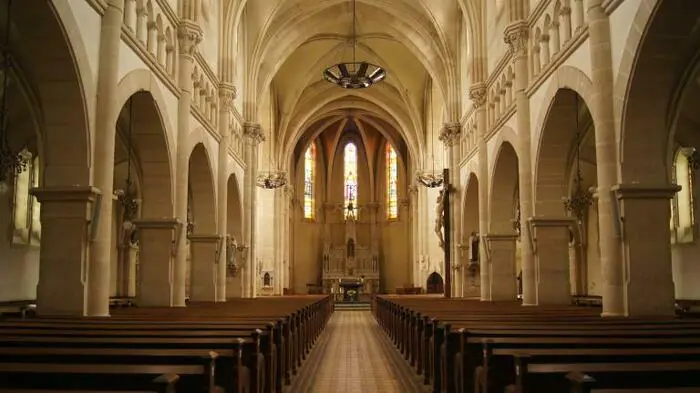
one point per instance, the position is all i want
(290, 42)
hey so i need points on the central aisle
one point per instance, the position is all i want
(354, 355)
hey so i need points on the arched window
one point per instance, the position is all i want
(350, 176)
(392, 177)
(309, 178)
(682, 205)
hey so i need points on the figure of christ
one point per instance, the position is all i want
(440, 218)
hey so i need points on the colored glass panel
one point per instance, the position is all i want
(309, 177)
(350, 175)
(392, 187)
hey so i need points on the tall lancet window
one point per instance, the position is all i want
(309, 178)
(350, 175)
(392, 187)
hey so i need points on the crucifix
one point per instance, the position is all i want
(442, 228)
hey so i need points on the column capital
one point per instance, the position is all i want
(227, 95)
(477, 93)
(515, 36)
(190, 35)
(645, 191)
(205, 238)
(253, 131)
(450, 133)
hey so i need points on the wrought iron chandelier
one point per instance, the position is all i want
(271, 179)
(581, 198)
(354, 75)
(127, 197)
(11, 163)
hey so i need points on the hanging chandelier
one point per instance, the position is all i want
(273, 178)
(355, 74)
(581, 198)
(127, 197)
(11, 163)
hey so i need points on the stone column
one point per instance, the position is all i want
(606, 157)
(415, 230)
(477, 93)
(450, 135)
(254, 136)
(66, 218)
(129, 254)
(550, 236)
(205, 266)
(98, 279)
(157, 241)
(516, 38)
(279, 242)
(227, 95)
(189, 36)
(500, 250)
(645, 213)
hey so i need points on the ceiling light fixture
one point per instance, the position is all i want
(354, 75)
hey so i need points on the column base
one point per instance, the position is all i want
(155, 276)
(501, 256)
(205, 259)
(551, 239)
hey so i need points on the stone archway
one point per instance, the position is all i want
(501, 240)
(565, 170)
(204, 241)
(46, 82)
(470, 238)
(234, 223)
(153, 223)
(434, 283)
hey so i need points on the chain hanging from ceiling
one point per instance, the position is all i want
(12, 163)
(580, 198)
(273, 178)
(354, 75)
(127, 197)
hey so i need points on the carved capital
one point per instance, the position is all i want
(253, 131)
(190, 35)
(450, 133)
(477, 93)
(515, 36)
(227, 95)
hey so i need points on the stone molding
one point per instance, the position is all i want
(450, 133)
(205, 238)
(157, 223)
(189, 35)
(253, 131)
(516, 35)
(553, 221)
(477, 94)
(65, 194)
(500, 237)
(227, 95)
(645, 191)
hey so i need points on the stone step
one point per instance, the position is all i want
(352, 306)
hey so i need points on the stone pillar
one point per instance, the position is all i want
(227, 95)
(500, 250)
(645, 213)
(254, 136)
(477, 93)
(129, 257)
(450, 135)
(189, 36)
(66, 218)
(157, 241)
(279, 242)
(606, 157)
(205, 267)
(516, 38)
(98, 279)
(550, 238)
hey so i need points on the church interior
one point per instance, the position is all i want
(287, 196)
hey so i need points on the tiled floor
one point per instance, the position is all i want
(354, 355)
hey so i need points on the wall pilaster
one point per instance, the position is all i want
(189, 36)
(253, 135)
(606, 159)
(98, 279)
(227, 96)
(516, 36)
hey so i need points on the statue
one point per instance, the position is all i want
(440, 218)
(231, 248)
(473, 247)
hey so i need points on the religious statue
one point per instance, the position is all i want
(440, 218)
(231, 248)
(351, 248)
(474, 247)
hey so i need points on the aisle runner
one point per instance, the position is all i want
(354, 355)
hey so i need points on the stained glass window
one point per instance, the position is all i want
(309, 177)
(392, 198)
(350, 175)
(682, 204)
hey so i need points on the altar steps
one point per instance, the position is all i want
(359, 306)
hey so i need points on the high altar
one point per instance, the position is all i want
(350, 269)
